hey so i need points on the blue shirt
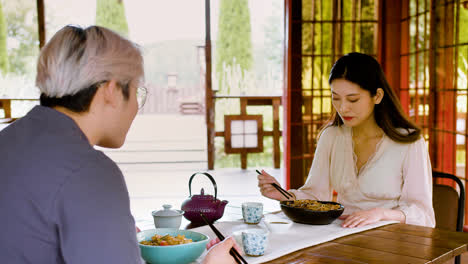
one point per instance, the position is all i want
(61, 201)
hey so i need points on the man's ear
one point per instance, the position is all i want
(110, 92)
(379, 95)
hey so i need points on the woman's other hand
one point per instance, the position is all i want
(367, 217)
(219, 251)
(362, 218)
(264, 183)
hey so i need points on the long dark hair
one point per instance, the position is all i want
(366, 72)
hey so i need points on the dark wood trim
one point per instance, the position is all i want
(294, 102)
(389, 35)
(41, 22)
(287, 91)
(404, 59)
(265, 134)
(209, 104)
(276, 134)
(243, 151)
(443, 102)
(227, 134)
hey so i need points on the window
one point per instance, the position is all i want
(322, 31)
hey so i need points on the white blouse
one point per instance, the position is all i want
(396, 176)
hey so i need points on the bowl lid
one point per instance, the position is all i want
(167, 211)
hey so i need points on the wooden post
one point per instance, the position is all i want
(41, 23)
(276, 133)
(389, 53)
(209, 104)
(6, 105)
(243, 155)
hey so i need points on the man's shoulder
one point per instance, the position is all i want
(97, 161)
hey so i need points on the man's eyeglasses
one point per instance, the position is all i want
(142, 92)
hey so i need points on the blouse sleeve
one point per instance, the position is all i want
(317, 186)
(416, 196)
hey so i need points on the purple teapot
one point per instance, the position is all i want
(212, 208)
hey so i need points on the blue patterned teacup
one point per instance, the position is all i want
(254, 241)
(252, 212)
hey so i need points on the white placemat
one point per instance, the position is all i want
(297, 236)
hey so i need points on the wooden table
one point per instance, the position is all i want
(392, 244)
(397, 243)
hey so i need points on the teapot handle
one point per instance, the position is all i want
(209, 176)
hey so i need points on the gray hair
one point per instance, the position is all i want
(76, 58)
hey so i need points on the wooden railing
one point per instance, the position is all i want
(275, 102)
(5, 104)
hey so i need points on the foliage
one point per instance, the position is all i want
(264, 159)
(178, 56)
(264, 78)
(4, 67)
(23, 40)
(274, 36)
(111, 14)
(234, 43)
(241, 83)
(9, 85)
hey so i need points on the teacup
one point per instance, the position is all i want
(281, 226)
(255, 241)
(252, 212)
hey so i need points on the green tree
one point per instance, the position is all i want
(234, 44)
(274, 37)
(23, 46)
(111, 14)
(4, 67)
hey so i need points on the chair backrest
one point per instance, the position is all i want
(448, 203)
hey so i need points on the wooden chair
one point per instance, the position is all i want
(448, 204)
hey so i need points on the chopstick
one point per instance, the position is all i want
(237, 257)
(281, 190)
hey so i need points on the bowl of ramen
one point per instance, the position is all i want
(312, 212)
(171, 245)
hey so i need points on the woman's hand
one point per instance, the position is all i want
(371, 216)
(363, 218)
(264, 183)
(219, 251)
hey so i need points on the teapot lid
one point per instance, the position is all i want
(202, 196)
(167, 211)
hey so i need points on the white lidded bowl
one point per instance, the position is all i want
(167, 218)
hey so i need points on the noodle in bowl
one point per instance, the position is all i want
(312, 212)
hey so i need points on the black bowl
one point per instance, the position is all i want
(310, 217)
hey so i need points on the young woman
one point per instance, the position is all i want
(370, 153)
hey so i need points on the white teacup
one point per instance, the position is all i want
(252, 212)
(255, 241)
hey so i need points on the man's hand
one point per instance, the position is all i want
(219, 251)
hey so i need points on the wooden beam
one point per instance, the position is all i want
(287, 91)
(209, 105)
(41, 23)
(390, 34)
(292, 95)
(276, 134)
